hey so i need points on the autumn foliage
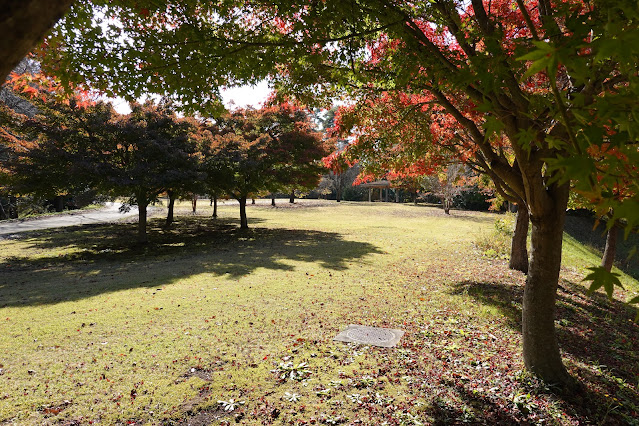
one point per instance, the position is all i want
(538, 95)
(249, 152)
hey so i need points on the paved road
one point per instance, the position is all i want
(110, 213)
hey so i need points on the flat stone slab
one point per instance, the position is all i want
(376, 336)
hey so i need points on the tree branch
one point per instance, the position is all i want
(496, 163)
(528, 20)
(290, 41)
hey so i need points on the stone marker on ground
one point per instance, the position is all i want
(376, 336)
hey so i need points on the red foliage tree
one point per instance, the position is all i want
(271, 149)
(552, 78)
(88, 145)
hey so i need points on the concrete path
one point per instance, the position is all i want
(110, 213)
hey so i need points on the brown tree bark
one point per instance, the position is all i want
(292, 197)
(540, 346)
(214, 202)
(169, 216)
(608, 258)
(518, 248)
(243, 219)
(58, 203)
(446, 203)
(23, 24)
(273, 200)
(194, 203)
(142, 205)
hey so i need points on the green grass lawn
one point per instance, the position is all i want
(96, 329)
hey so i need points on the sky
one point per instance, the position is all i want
(237, 97)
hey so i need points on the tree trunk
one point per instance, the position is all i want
(608, 258)
(194, 203)
(339, 194)
(243, 220)
(58, 203)
(273, 200)
(142, 205)
(169, 216)
(518, 248)
(214, 202)
(252, 200)
(540, 347)
(23, 24)
(292, 197)
(446, 205)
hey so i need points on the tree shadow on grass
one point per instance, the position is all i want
(102, 258)
(533, 404)
(596, 335)
(424, 211)
(475, 408)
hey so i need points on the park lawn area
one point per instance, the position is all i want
(94, 328)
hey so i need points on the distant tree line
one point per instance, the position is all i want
(71, 145)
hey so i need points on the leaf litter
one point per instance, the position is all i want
(459, 361)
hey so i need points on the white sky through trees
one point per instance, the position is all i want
(235, 97)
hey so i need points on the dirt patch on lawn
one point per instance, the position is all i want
(205, 417)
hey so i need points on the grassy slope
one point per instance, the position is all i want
(93, 328)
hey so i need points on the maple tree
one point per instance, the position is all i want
(477, 94)
(464, 69)
(190, 176)
(39, 104)
(299, 149)
(610, 249)
(52, 158)
(253, 151)
(547, 81)
(302, 170)
(24, 94)
(613, 227)
(75, 146)
(407, 137)
(148, 153)
(8, 140)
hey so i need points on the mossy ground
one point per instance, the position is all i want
(95, 328)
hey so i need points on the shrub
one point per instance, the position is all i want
(473, 199)
(496, 243)
(355, 193)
